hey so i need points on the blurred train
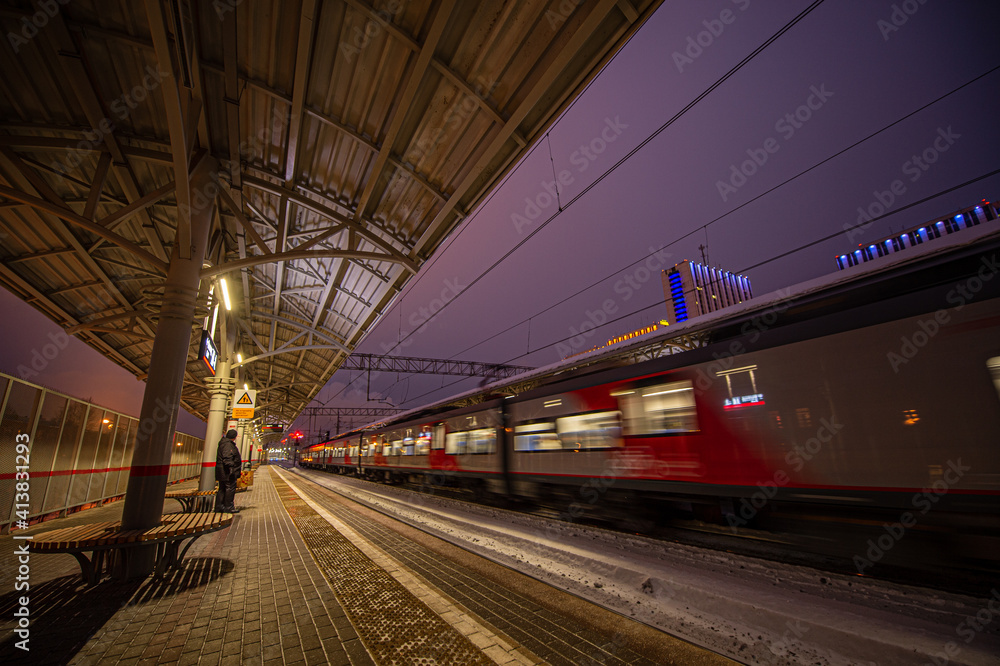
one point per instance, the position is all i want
(876, 387)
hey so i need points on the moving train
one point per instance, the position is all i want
(877, 387)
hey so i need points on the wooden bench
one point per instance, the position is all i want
(197, 500)
(110, 545)
(193, 500)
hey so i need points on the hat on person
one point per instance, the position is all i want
(231, 434)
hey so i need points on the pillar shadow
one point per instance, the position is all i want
(65, 614)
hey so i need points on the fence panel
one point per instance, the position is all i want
(103, 455)
(44, 446)
(69, 443)
(79, 453)
(117, 465)
(84, 468)
(18, 419)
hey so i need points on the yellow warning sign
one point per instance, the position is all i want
(243, 404)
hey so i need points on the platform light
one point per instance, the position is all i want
(246, 387)
(239, 357)
(215, 318)
(648, 395)
(225, 294)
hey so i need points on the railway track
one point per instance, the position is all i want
(836, 545)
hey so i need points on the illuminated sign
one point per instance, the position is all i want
(208, 352)
(744, 401)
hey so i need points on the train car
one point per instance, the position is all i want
(803, 414)
(314, 457)
(875, 389)
(878, 391)
(342, 455)
(873, 393)
(457, 448)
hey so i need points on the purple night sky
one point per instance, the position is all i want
(641, 173)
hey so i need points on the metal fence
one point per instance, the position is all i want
(80, 453)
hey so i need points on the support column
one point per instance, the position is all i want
(161, 399)
(220, 388)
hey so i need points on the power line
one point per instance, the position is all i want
(658, 303)
(600, 178)
(772, 189)
(439, 253)
(725, 77)
(710, 222)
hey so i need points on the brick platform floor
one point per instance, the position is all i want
(260, 593)
(249, 594)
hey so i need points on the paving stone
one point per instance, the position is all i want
(283, 586)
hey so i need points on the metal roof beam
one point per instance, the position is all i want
(178, 104)
(237, 212)
(294, 324)
(306, 202)
(100, 178)
(40, 255)
(73, 218)
(303, 56)
(74, 65)
(404, 103)
(116, 218)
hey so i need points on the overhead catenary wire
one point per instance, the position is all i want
(657, 304)
(437, 255)
(673, 119)
(441, 251)
(704, 226)
(763, 194)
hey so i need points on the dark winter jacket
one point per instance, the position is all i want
(227, 461)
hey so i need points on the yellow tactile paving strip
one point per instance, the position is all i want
(395, 626)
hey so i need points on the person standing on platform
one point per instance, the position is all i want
(227, 470)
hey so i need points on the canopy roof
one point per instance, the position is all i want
(352, 139)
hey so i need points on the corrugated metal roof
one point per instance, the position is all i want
(356, 135)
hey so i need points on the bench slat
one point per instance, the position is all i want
(62, 538)
(85, 537)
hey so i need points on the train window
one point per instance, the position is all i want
(483, 440)
(546, 409)
(408, 446)
(396, 447)
(597, 430)
(455, 443)
(536, 437)
(423, 443)
(661, 409)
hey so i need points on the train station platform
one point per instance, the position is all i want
(303, 576)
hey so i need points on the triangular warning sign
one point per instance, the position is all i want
(245, 400)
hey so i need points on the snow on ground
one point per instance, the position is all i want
(746, 608)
